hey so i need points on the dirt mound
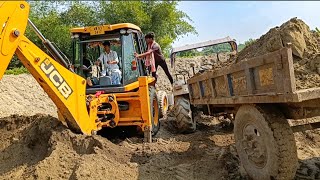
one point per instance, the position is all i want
(21, 94)
(34, 146)
(41, 147)
(305, 47)
(182, 65)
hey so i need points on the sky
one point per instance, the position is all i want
(243, 20)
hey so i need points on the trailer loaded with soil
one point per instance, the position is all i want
(265, 88)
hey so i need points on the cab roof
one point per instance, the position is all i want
(111, 27)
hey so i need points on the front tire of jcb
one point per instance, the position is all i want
(182, 110)
(265, 143)
(154, 110)
(163, 103)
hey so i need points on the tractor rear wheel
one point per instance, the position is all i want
(182, 110)
(265, 143)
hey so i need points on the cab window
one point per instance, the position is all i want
(128, 55)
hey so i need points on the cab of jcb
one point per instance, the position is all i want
(125, 39)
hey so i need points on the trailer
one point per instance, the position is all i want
(261, 92)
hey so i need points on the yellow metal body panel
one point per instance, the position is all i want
(138, 113)
(66, 89)
(145, 102)
(95, 30)
(14, 16)
(136, 85)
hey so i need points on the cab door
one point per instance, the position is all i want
(128, 50)
(141, 47)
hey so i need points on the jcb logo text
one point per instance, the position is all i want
(55, 77)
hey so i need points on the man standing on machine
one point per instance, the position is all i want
(154, 57)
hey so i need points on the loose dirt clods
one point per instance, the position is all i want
(38, 146)
(305, 48)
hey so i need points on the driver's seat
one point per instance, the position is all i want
(105, 81)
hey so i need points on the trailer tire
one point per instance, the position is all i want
(265, 143)
(154, 109)
(163, 103)
(182, 110)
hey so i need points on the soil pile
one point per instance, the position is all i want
(40, 147)
(21, 94)
(181, 64)
(305, 47)
(34, 146)
(182, 67)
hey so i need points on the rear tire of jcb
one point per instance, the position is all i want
(265, 143)
(163, 103)
(182, 110)
(154, 110)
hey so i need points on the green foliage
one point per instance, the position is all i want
(17, 71)
(160, 17)
(225, 47)
(55, 19)
(241, 46)
(317, 30)
(189, 53)
(15, 62)
(249, 42)
(246, 43)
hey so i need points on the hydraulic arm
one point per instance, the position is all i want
(65, 88)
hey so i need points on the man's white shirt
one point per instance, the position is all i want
(112, 56)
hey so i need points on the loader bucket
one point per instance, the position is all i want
(13, 22)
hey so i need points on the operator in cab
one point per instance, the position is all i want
(108, 61)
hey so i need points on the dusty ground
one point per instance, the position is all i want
(38, 146)
(22, 95)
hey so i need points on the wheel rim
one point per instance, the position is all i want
(155, 113)
(253, 145)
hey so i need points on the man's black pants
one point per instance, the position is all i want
(164, 66)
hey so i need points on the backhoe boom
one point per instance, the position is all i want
(65, 88)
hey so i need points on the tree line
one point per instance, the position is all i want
(55, 19)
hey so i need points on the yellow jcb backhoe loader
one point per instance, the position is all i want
(85, 109)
